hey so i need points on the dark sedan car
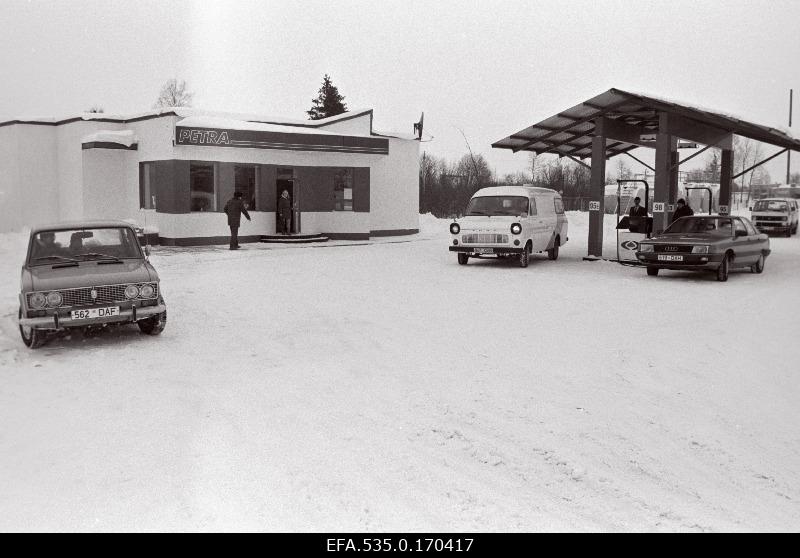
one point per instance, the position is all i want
(715, 243)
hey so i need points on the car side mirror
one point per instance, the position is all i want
(750, 209)
(740, 233)
(147, 250)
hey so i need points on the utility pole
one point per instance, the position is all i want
(789, 153)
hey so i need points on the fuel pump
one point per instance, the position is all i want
(630, 234)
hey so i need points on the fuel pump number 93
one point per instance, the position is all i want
(399, 544)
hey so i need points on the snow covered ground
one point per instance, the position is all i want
(383, 387)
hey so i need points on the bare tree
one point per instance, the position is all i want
(623, 170)
(174, 94)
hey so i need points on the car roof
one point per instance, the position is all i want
(68, 225)
(777, 199)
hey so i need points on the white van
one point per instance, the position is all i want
(775, 215)
(504, 221)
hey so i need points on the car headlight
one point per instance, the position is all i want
(455, 228)
(516, 228)
(645, 247)
(54, 299)
(700, 249)
(37, 300)
(147, 291)
(131, 291)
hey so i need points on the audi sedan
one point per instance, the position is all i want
(87, 275)
(711, 243)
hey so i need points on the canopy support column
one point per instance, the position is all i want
(597, 191)
(725, 179)
(666, 153)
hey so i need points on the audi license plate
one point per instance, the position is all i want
(484, 250)
(669, 258)
(93, 313)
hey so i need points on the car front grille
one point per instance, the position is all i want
(769, 219)
(673, 248)
(105, 294)
(483, 238)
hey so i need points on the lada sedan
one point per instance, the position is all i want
(714, 243)
(87, 274)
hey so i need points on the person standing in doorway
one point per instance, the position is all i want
(637, 216)
(284, 213)
(235, 209)
(682, 210)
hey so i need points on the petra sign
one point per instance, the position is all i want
(202, 137)
(302, 140)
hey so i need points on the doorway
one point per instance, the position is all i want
(287, 185)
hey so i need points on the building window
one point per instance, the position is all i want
(343, 190)
(245, 182)
(203, 187)
(147, 186)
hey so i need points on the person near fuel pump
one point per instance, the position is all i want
(637, 217)
(682, 210)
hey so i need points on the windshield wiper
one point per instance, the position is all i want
(61, 258)
(98, 256)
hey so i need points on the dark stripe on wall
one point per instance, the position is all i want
(393, 232)
(205, 240)
(347, 236)
(217, 137)
(108, 145)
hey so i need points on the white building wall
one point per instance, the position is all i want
(70, 164)
(11, 206)
(107, 192)
(33, 186)
(394, 204)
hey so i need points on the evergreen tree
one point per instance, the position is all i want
(328, 103)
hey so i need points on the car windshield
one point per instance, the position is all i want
(713, 226)
(498, 205)
(771, 205)
(76, 245)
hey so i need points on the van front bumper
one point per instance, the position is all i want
(481, 250)
(125, 315)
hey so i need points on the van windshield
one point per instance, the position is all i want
(498, 205)
(771, 205)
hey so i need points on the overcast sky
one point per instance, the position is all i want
(489, 68)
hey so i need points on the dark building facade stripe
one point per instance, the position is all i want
(217, 137)
(108, 145)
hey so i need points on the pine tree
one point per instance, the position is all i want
(328, 102)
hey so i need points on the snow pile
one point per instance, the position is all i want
(384, 387)
(121, 137)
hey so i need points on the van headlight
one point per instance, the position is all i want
(131, 291)
(645, 248)
(147, 291)
(455, 228)
(516, 228)
(700, 249)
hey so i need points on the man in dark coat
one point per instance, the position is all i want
(284, 212)
(637, 217)
(683, 210)
(235, 209)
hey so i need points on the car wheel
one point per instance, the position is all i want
(32, 337)
(758, 267)
(652, 271)
(463, 258)
(524, 257)
(552, 253)
(788, 233)
(153, 325)
(724, 268)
